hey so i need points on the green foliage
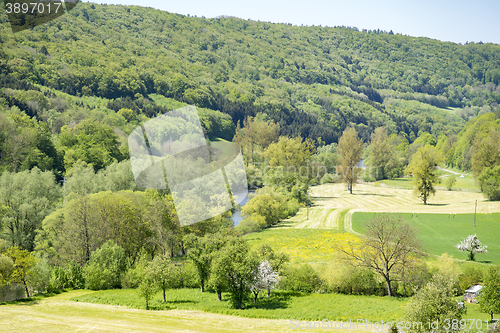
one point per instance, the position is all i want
(423, 168)
(303, 278)
(433, 302)
(490, 182)
(26, 143)
(69, 276)
(87, 222)
(39, 276)
(105, 267)
(6, 269)
(350, 280)
(24, 262)
(164, 274)
(232, 269)
(148, 286)
(489, 297)
(271, 206)
(450, 181)
(470, 276)
(90, 142)
(383, 155)
(29, 196)
(350, 149)
(201, 251)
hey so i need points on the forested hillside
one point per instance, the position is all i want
(313, 81)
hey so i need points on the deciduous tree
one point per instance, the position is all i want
(423, 168)
(350, 149)
(388, 245)
(489, 297)
(472, 245)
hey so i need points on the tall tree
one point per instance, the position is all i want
(423, 168)
(164, 273)
(29, 196)
(350, 149)
(489, 297)
(388, 245)
(233, 268)
(381, 153)
(201, 251)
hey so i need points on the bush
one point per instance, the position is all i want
(249, 225)
(292, 207)
(303, 278)
(188, 276)
(350, 280)
(450, 181)
(435, 301)
(469, 277)
(490, 183)
(105, 267)
(69, 276)
(329, 178)
(39, 276)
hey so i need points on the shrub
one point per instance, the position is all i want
(450, 181)
(105, 267)
(303, 278)
(249, 225)
(349, 280)
(69, 276)
(39, 276)
(469, 277)
(188, 276)
(433, 302)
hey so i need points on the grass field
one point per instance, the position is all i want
(441, 232)
(370, 198)
(59, 314)
(313, 246)
(467, 183)
(281, 305)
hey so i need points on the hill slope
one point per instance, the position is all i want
(315, 81)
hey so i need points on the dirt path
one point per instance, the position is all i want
(453, 172)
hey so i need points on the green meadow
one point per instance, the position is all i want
(281, 304)
(441, 232)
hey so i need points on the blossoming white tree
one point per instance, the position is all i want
(265, 278)
(472, 245)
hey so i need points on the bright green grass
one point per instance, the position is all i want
(462, 184)
(281, 305)
(441, 232)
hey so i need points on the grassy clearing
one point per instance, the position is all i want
(59, 314)
(312, 246)
(281, 305)
(441, 232)
(369, 198)
(466, 184)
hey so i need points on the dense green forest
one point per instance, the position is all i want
(72, 90)
(313, 81)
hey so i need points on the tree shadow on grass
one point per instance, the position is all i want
(277, 300)
(33, 300)
(437, 205)
(375, 194)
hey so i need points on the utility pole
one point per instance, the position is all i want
(475, 211)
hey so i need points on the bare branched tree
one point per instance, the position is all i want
(389, 244)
